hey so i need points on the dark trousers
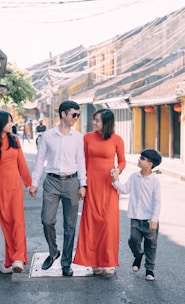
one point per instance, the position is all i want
(140, 231)
(54, 190)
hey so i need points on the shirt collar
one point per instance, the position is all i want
(147, 176)
(56, 131)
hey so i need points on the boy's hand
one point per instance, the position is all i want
(114, 173)
(153, 225)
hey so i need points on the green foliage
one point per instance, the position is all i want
(18, 85)
(20, 109)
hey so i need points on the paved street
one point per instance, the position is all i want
(126, 287)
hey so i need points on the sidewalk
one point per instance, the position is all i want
(173, 167)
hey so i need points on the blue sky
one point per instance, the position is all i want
(31, 29)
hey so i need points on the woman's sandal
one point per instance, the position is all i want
(97, 270)
(109, 272)
(17, 266)
(4, 269)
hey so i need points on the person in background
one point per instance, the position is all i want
(40, 128)
(26, 132)
(13, 169)
(143, 210)
(98, 240)
(62, 147)
(30, 124)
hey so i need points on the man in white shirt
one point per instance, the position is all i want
(63, 148)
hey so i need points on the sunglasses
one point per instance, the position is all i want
(144, 158)
(74, 115)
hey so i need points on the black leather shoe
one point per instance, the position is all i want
(67, 271)
(49, 261)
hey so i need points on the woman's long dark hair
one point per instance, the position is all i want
(4, 116)
(107, 117)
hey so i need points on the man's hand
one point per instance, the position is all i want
(33, 191)
(82, 192)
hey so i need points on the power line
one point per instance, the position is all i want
(102, 11)
(179, 34)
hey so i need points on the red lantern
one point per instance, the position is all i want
(177, 107)
(149, 109)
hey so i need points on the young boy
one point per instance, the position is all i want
(143, 210)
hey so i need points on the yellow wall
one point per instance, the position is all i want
(77, 86)
(164, 135)
(137, 130)
(150, 130)
(78, 125)
(71, 89)
(103, 59)
(182, 152)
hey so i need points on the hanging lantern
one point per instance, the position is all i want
(177, 107)
(149, 109)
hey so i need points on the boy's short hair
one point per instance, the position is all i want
(153, 156)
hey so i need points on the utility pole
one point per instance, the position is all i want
(51, 101)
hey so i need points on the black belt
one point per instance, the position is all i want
(63, 177)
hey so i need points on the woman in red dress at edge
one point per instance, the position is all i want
(98, 240)
(13, 167)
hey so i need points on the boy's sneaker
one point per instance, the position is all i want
(149, 275)
(137, 263)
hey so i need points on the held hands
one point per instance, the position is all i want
(33, 191)
(115, 174)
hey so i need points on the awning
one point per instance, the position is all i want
(153, 101)
(86, 100)
(31, 105)
(114, 103)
